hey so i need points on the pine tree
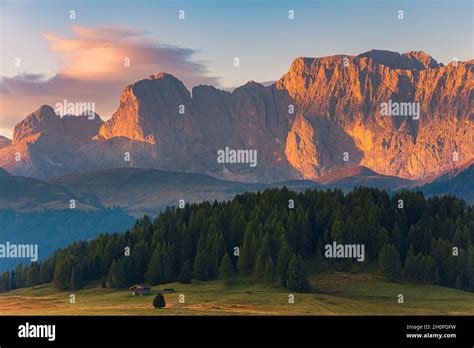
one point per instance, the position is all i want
(200, 262)
(243, 262)
(337, 230)
(20, 276)
(155, 272)
(259, 269)
(470, 268)
(159, 301)
(185, 274)
(436, 279)
(297, 280)
(33, 276)
(168, 267)
(410, 270)
(216, 253)
(382, 238)
(418, 267)
(268, 275)
(282, 265)
(46, 272)
(225, 270)
(62, 273)
(200, 266)
(112, 275)
(73, 281)
(389, 263)
(397, 237)
(5, 281)
(120, 275)
(430, 269)
(458, 283)
(13, 284)
(77, 278)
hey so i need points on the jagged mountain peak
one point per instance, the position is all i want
(413, 60)
(161, 85)
(162, 75)
(249, 87)
(44, 119)
(147, 106)
(39, 120)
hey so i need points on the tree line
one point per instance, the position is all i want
(52, 228)
(274, 236)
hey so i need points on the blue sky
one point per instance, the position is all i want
(258, 32)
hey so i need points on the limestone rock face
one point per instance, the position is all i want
(46, 145)
(324, 114)
(155, 122)
(43, 119)
(184, 133)
(347, 92)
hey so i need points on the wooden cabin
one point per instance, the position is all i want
(140, 290)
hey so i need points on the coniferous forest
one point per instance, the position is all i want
(273, 236)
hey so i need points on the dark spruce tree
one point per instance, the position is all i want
(225, 270)
(185, 274)
(13, 283)
(5, 281)
(155, 272)
(389, 263)
(33, 278)
(268, 274)
(297, 280)
(259, 268)
(62, 274)
(159, 301)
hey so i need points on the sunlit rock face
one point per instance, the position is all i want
(347, 93)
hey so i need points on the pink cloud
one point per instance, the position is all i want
(91, 68)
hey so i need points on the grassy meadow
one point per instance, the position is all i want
(333, 293)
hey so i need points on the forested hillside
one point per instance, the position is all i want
(273, 236)
(460, 185)
(51, 229)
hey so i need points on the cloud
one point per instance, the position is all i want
(92, 69)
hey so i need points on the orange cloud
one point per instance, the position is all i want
(92, 68)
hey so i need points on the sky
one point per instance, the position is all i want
(82, 59)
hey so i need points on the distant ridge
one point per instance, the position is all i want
(347, 178)
(415, 60)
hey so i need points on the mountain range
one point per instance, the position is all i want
(323, 115)
(140, 191)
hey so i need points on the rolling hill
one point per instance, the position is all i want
(335, 293)
(148, 191)
(23, 193)
(459, 182)
(348, 178)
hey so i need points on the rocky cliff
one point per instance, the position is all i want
(323, 114)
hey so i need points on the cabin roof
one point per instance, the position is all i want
(139, 286)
